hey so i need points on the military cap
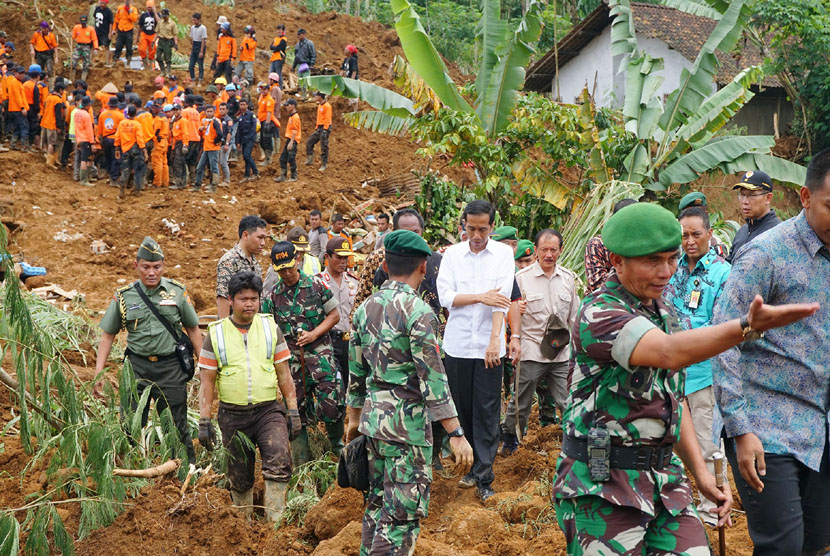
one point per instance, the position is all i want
(339, 246)
(299, 238)
(150, 250)
(641, 229)
(524, 249)
(406, 243)
(755, 181)
(282, 255)
(505, 232)
(694, 199)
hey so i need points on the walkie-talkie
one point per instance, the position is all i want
(599, 453)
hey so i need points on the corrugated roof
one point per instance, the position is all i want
(682, 32)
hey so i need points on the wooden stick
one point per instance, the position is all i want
(357, 212)
(186, 481)
(718, 459)
(7, 380)
(516, 397)
(167, 467)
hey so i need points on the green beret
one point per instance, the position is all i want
(505, 232)
(406, 243)
(694, 199)
(524, 249)
(149, 250)
(641, 229)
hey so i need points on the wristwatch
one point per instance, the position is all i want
(750, 334)
(457, 433)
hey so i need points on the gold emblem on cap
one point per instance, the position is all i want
(301, 239)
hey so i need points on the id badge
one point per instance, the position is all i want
(694, 300)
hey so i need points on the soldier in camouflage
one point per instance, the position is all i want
(397, 387)
(150, 347)
(305, 312)
(619, 488)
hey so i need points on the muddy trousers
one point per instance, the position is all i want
(400, 476)
(112, 164)
(194, 152)
(791, 516)
(322, 136)
(133, 161)
(592, 525)
(179, 166)
(265, 425)
(169, 389)
(161, 172)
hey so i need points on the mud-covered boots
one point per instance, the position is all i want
(84, 174)
(293, 175)
(244, 501)
(283, 173)
(309, 160)
(274, 500)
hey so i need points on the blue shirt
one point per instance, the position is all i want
(707, 278)
(777, 387)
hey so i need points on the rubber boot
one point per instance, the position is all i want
(274, 500)
(324, 166)
(261, 154)
(282, 176)
(293, 175)
(212, 186)
(244, 501)
(300, 452)
(334, 432)
(122, 190)
(309, 160)
(84, 74)
(85, 178)
(13, 143)
(267, 161)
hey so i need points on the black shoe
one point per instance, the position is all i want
(436, 464)
(510, 444)
(485, 493)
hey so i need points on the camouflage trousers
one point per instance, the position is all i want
(321, 398)
(594, 526)
(399, 481)
(82, 53)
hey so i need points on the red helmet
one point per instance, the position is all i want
(351, 49)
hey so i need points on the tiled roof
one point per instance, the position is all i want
(682, 32)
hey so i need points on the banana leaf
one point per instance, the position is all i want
(642, 107)
(377, 121)
(491, 33)
(623, 35)
(413, 86)
(693, 8)
(423, 56)
(377, 97)
(508, 75)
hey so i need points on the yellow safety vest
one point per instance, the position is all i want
(311, 265)
(246, 369)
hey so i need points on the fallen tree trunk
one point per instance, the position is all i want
(167, 467)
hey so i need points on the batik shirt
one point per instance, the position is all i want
(597, 263)
(232, 262)
(777, 387)
(396, 374)
(693, 296)
(639, 406)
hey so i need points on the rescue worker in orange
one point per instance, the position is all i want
(293, 134)
(147, 23)
(108, 121)
(173, 88)
(211, 130)
(84, 40)
(32, 93)
(278, 48)
(122, 29)
(247, 52)
(268, 124)
(84, 139)
(145, 118)
(52, 123)
(225, 52)
(129, 148)
(193, 149)
(321, 134)
(44, 48)
(179, 131)
(161, 127)
(18, 108)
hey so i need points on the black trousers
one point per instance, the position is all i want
(476, 391)
(791, 516)
(196, 60)
(123, 39)
(289, 157)
(322, 136)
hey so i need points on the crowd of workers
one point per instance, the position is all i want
(181, 132)
(678, 352)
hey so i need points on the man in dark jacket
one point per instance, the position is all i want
(305, 55)
(754, 195)
(246, 138)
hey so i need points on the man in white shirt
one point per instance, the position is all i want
(474, 284)
(550, 309)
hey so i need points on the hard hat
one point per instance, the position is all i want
(230, 87)
(352, 49)
(35, 68)
(225, 26)
(159, 80)
(221, 80)
(274, 76)
(248, 29)
(167, 107)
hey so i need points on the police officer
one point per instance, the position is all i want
(397, 387)
(305, 312)
(343, 286)
(619, 488)
(150, 347)
(239, 356)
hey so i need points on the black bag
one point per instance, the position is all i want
(184, 347)
(353, 467)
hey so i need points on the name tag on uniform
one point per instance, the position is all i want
(694, 300)
(168, 302)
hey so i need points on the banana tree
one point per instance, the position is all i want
(676, 139)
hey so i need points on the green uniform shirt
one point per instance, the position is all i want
(395, 367)
(145, 334)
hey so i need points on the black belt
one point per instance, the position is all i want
(151, 358)
(643, 458)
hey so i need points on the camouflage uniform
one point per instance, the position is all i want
(636, 511)
(398, 379)
(82, 53)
